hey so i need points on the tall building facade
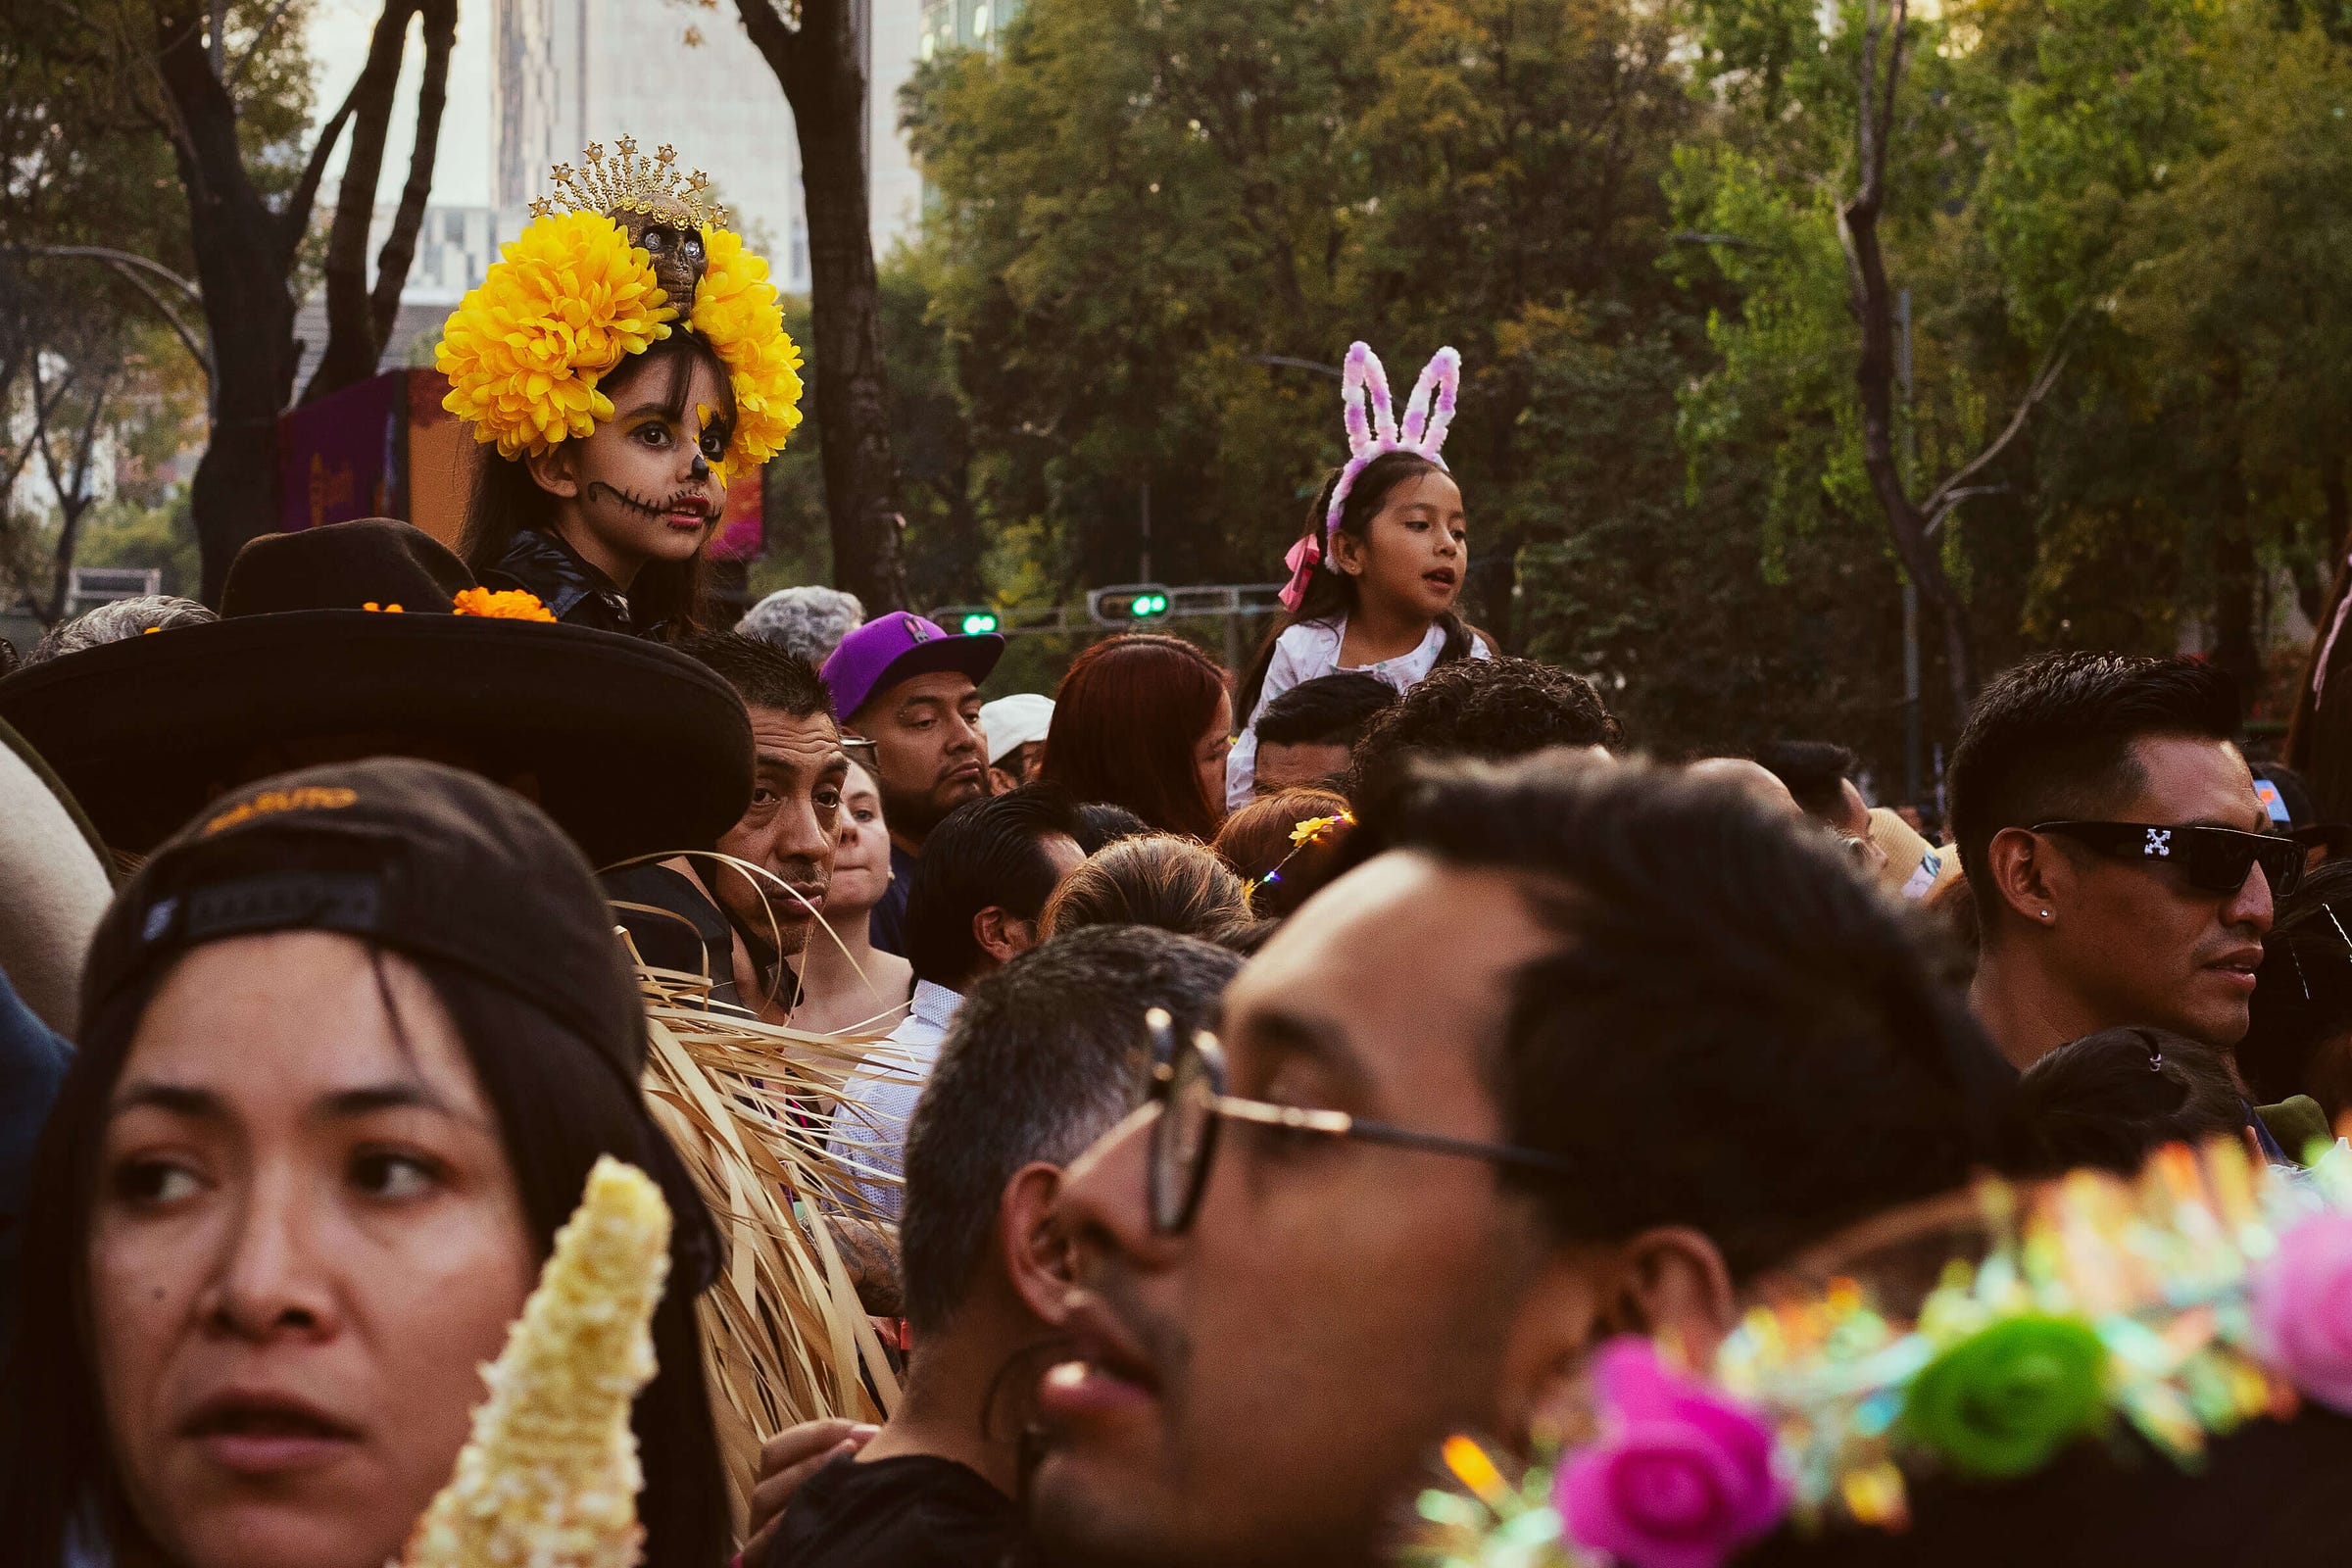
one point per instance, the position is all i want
(566, 72)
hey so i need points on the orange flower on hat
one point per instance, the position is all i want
(570, 300)
(514, 603)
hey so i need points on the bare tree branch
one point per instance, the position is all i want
(1945, 495)
(236, 73)
(399, 253)
(122, 259)
(295, 219)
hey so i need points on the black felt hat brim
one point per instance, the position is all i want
(632, 748)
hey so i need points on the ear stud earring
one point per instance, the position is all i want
(2045, 915)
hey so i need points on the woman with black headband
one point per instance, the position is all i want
(351, 1041)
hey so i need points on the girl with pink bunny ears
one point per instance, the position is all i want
(1376, 573)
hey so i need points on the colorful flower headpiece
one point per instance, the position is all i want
(1304, 837)
(1374, 432)
(2210, 1292)
(573, 295)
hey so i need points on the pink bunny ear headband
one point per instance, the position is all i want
(1374, 430)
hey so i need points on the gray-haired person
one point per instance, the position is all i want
(117, 621)
(810, 622)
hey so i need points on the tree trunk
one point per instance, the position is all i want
(353, 343)
(243, 259)
(823, 78)
(2235, 578)
(398, 254)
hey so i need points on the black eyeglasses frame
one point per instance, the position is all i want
(2193, 848)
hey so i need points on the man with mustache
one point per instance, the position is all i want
(791, 828)
(2121, 863)
(908, 694)
(1578, 1049)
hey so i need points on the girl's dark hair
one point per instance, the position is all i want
(2303, 1001)
(1126, 720)
(507, 500)
(1331, 594)
(559, 1106)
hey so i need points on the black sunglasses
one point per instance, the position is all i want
(2212, 859)
(1188, 1085)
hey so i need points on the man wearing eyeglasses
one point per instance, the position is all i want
(2122, 865)
(1579, 1048)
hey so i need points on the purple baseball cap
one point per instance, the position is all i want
(896, 647)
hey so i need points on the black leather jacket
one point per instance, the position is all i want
(573, 592)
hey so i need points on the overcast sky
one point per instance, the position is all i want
(339, 30)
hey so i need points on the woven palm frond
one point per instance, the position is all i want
(748, 1103)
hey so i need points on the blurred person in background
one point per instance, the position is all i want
(2112, 1099)
(907, 695)
(1145, 721)
(847, 985)
(112, 622)
(1015, 727)
(2299, 1037)
(808, 621)
(1101, 824)
(1305, 735)
(1820, 776)
(1156, 879)
(979, 890)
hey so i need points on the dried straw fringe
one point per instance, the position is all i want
(747, 1102)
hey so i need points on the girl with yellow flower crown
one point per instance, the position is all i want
(623, 357)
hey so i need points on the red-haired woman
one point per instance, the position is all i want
(1145, 722)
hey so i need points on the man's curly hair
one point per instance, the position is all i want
(1489, 709)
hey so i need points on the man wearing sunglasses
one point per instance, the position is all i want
(2122, 865)
(1578, 1048)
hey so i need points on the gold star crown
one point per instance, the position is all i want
(632, 182)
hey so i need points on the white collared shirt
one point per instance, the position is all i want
(870, 1124)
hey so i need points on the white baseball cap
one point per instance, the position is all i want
(1015, 721)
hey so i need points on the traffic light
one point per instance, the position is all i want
(1127, 604)
(973, 620)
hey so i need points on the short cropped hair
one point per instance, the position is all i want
(1328, 711)
(2051, 739)
(1489, 709)
(1730, 1031)
(1815, 772)
(116, 621)
(762, 674)
(988, 852)
(1154, 879)
(1045, 1056)
(810, 622)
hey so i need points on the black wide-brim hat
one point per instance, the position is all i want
(632, 748)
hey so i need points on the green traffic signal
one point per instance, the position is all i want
(978, 623)
(1148, 604)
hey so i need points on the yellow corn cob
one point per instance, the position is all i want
(549, 1477)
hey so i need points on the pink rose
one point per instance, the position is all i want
(1681, 1476)
(2301, 1303)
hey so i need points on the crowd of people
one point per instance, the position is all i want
(1297, 1110)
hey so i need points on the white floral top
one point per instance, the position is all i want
(1310, 649)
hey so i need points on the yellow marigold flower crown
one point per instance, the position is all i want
(571, 297)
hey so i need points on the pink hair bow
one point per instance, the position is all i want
(1301, 562)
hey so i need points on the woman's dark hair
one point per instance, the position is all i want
(2303, 1001)
(1157, 879)
(2113, 1097)
(1331, 594)
(1126, 720)
(559, 1106)
(507, 500)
